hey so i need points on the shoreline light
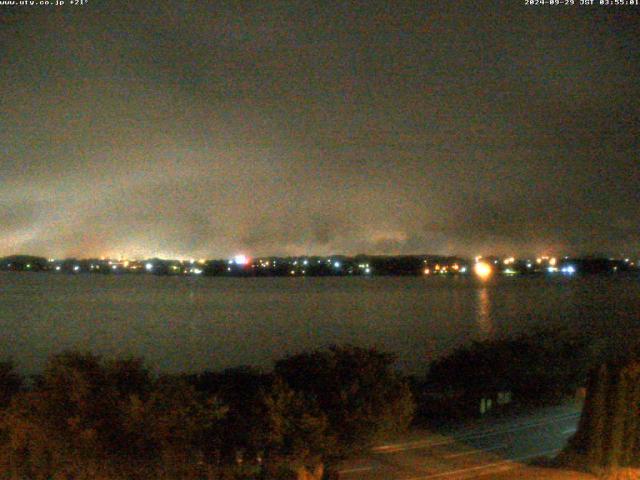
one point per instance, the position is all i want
(483, 270)
(241, 259)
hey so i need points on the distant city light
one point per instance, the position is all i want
(241, 259)
(483, 270)
(339, 265)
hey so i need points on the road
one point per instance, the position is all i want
(472, 451)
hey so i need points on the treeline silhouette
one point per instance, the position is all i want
(86, 417)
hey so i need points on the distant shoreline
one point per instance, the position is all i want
(331, 266)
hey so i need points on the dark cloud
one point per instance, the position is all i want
(202, 129)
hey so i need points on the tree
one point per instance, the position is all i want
(269, 430)
(86, 418)
(241, 390)
(361, 395)
(174, 425)
(65, 423)
(294, 431)
(608, 432)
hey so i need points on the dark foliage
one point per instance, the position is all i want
(609, 431)
(539, 368)
(358, 390)
(10, 383)
(88, 418)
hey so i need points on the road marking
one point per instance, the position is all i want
(399, 447)
(354, 470)
(474, 452)
(511, 462)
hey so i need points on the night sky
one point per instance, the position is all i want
(190, 128)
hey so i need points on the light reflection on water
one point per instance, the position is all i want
(187, 324)
(485, 325)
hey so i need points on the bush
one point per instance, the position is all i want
(540, 368)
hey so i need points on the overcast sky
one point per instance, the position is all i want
(212, 128)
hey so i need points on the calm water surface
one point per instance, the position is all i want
(188, 324)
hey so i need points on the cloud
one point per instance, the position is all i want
(199, 129)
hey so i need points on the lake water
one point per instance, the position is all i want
(191, 323)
